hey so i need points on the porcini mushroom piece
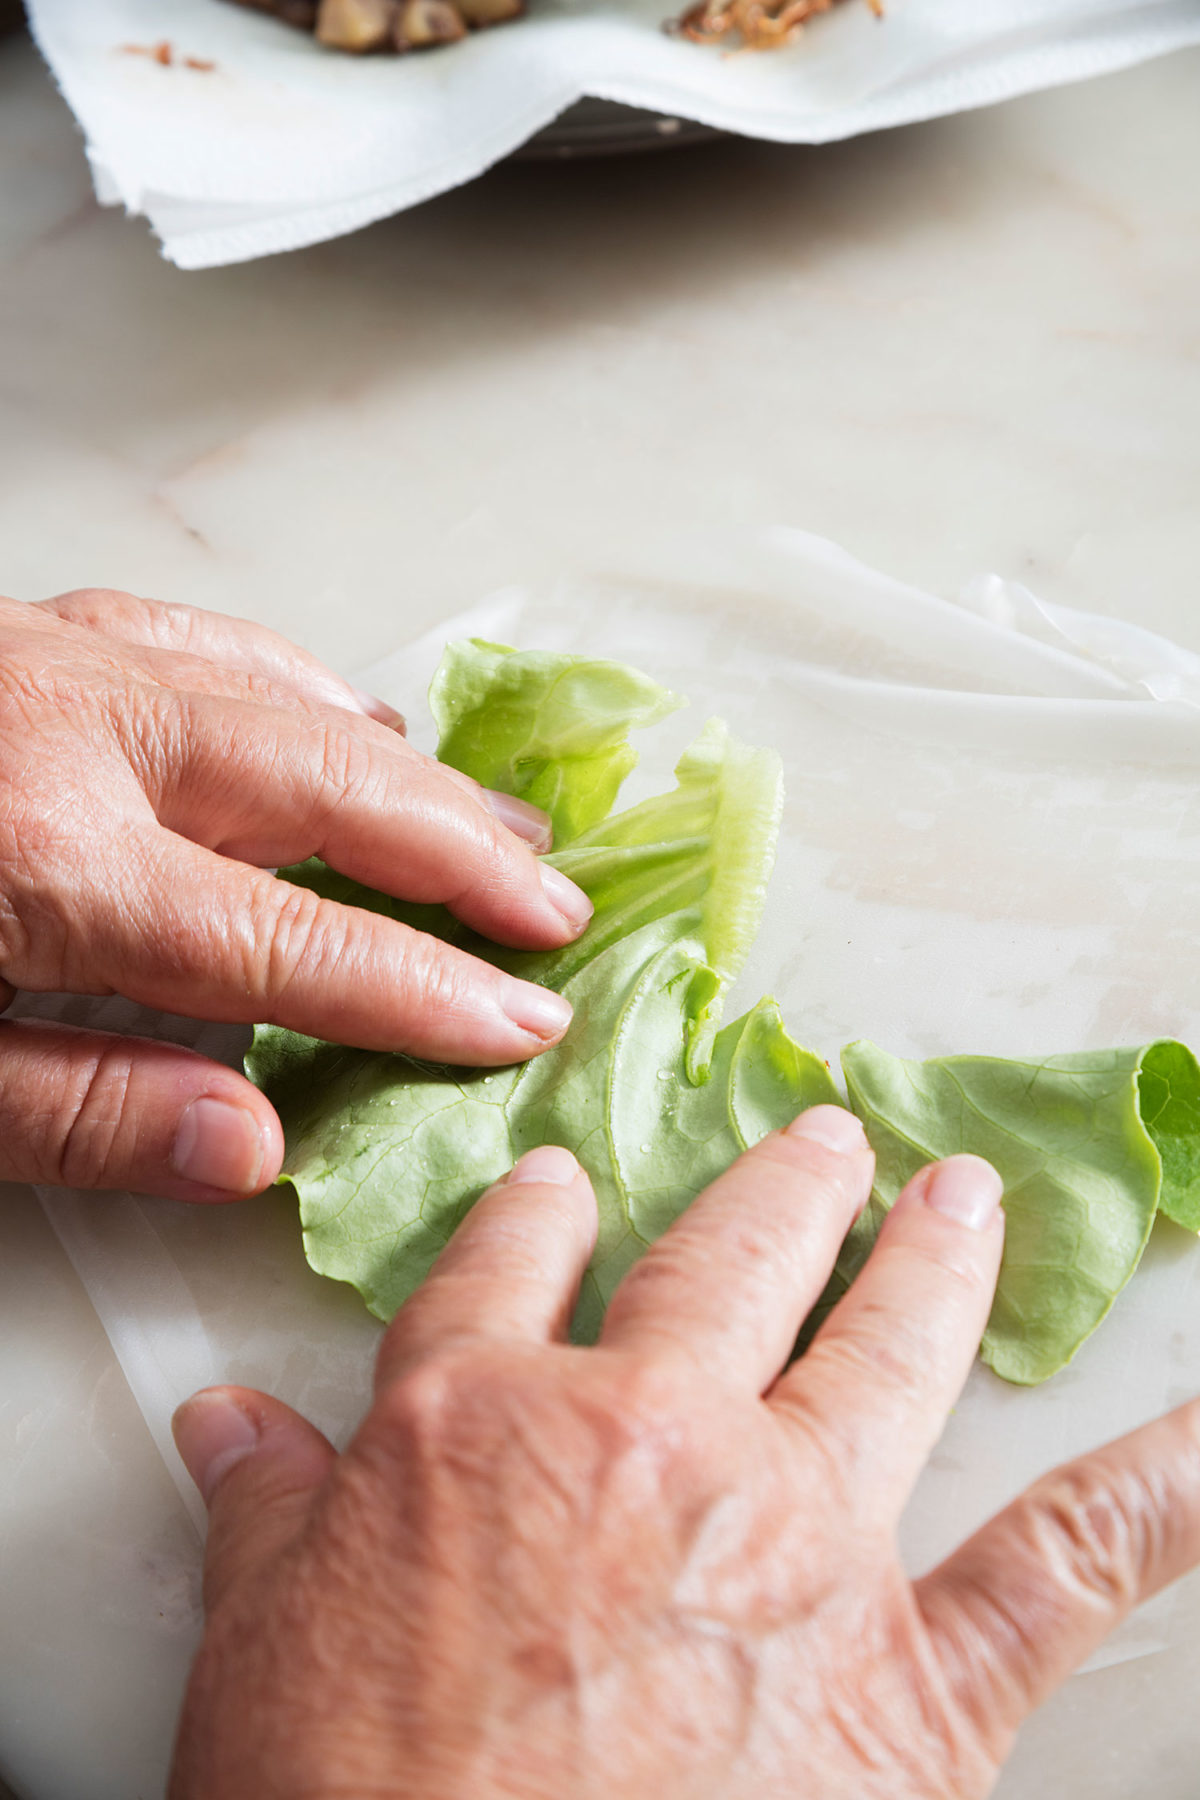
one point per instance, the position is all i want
(424, 22)
(356, 24)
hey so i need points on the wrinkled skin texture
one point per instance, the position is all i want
(155, 764)
(657, 1569)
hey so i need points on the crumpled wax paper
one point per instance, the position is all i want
(283, 143)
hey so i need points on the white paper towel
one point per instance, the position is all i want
(283, 143)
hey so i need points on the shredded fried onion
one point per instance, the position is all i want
(760, 24)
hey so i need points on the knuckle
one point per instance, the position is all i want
(159, 623)
(878, 1348)
(152, 728)
(440, 980)
(1098, 1532)
(97, 608)
(344, 764)
(264, 690)
(644, 1407)
(951, 1260)
(657, 1284)
(301, 931)
(94, 1121)
(48, 894)
(416, 1405)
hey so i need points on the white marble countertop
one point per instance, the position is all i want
(963, 346)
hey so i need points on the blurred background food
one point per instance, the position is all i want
(369, 26)
(754, 24)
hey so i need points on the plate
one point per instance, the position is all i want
(604, 128)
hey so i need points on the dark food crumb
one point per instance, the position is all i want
(164, 53)
(159, 53)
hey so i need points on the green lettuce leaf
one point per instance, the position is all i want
(654, 1098)
(551, 729)
(651, 1093)
(1089, 1146)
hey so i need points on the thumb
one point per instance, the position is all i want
(91, 1110)
(257, 1464)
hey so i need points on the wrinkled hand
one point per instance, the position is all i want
(657, 1569)
(155, 762)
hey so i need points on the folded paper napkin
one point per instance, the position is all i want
(280, 143)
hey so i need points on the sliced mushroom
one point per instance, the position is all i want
(424, 22)
(356, 24)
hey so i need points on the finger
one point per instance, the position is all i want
(1033, 1593)
(192, 675)
(258, 1465)
(728, 1285)
(214, 638)
(90, 1110)
(216, 940)
(185, 673)
(511, 1272)
(890, 1360)
(274, 788)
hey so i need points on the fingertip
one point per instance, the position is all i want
(224, 1149)
(212, 1432)
(379, 710)
(834, 1126)
(539, 1011)
(964, 1188)
(527, 822)
(552, 1164)
(568, 900)
(827, 1142)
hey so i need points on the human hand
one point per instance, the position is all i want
(657, 1569)
(154, 761)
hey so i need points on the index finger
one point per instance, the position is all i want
(510, 1273)
(271, 787)
(215, 638)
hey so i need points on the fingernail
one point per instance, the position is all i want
(536, 1009)
(832, 1126)
(965, 1188)
(528, 822)
(549, 1163)
(219, 1145)
(375, 708)
(566, 898)
(211, 1434)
